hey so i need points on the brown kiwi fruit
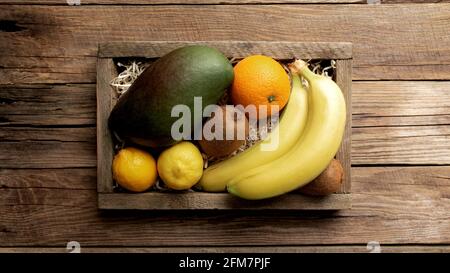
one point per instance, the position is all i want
(328, 182)
(232, 121)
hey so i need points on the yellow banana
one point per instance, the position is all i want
(289, 129)
(313, 151)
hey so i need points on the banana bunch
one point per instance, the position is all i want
(312, 152)
(286, 134)
(310, 132)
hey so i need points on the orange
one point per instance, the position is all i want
(260, 80)
(134, 169)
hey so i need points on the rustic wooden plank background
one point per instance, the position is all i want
(401, 125)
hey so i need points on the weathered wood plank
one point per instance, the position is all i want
(431, 182)
(380, 52)
(236, 249)
(401, 145)
(105, 148)
(392, 205)
(77, 178)
(47, 105)
(48, 196)
(27, 134)
(183, 2)
(222, 201)
(59, 224)
(209, 2)
(46, 69)
(400, 103)
(236, 49)
(343, 79)
(391, 191)
(412, 1)
(47, 154)
(47, 147)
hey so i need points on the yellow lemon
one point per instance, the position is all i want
(134, 169)
(180, 166)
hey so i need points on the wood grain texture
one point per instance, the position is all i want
(412, 145)
(237, 249)
(23, 68)
(75, 178)
(106, 70)
(51, 197)
(38, 134)
(235, 49)
(183, 2)
(401, 103)
(413, 1)
(392, 205)
(47, 147)
(218, 201)
(43, 105)
(210, 2)
(344, 80)
(388, 44)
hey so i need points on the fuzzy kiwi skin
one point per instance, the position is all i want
(328, 182)
(221, 148)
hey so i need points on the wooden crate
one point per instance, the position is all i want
(106, 98)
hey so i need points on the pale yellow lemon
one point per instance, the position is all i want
(180, 166)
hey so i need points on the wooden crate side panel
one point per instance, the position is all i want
(344, 80)
(221, 201)
(106, 70)
(237, 49)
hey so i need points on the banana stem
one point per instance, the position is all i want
(300, 67)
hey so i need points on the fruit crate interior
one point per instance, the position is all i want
(112, 197)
